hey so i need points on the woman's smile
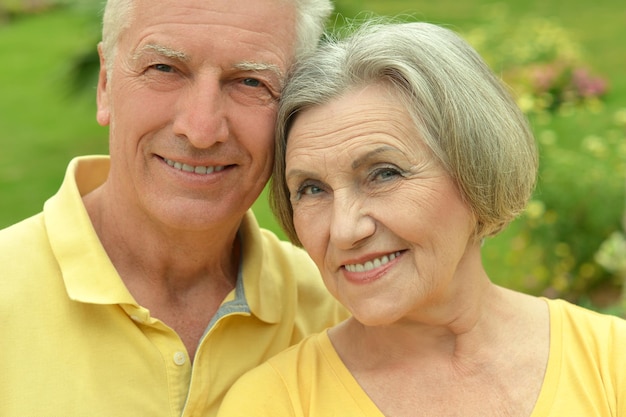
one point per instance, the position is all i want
(371, 270)
(373, 264)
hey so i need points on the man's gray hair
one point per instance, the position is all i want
(311, 16)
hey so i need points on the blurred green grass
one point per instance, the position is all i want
(42, 125)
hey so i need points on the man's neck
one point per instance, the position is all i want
(182, 277)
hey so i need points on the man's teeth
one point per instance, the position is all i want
(369, 265)
(191, 168)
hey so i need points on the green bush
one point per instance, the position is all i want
(579, 199)
(11, 8)
(541, 61)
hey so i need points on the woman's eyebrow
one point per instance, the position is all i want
(298, 173)
(362, 159)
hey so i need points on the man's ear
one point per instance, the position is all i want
(103, 113)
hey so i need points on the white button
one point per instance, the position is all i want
(179, 358)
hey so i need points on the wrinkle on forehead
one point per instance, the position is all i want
(325, 130)
(258, 17)
(243, 17)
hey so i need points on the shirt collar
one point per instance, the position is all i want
(261, 282)
(87, 271)
(90, 276)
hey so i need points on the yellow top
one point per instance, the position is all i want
(74, 342)
(585, 377)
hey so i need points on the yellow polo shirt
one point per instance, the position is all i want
(73, 341)
(585, 377)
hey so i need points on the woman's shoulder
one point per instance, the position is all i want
(585, 327)
(286, 383)
(290, 364)
(585, 370)
(577, 315)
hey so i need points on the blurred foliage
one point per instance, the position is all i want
(11, 9)
(538, 58)
(570, 216)
(82, 74)
(568, 242)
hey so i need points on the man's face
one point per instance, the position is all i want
(191, 102)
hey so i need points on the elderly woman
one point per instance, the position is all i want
(398, 153)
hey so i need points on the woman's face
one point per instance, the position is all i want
(379, 215)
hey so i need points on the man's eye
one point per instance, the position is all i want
(163, 68)
(251, 82)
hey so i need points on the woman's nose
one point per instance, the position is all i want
(350, 222)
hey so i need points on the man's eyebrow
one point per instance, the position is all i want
(162, 50)
(260, 67)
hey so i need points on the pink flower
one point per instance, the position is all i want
(544, 77)
(588, 85)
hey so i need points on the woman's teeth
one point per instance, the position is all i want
(374, 263)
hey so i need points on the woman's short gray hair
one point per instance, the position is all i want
(311, 16)
(464, 113)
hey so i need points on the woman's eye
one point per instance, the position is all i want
(306, 190)
(310, 190)
(384, 174)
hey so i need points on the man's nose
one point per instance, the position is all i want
(201, 113)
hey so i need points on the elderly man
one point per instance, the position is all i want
(146, 287)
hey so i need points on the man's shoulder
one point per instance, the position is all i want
(25, 232)
(286, 255)
(29, 268)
